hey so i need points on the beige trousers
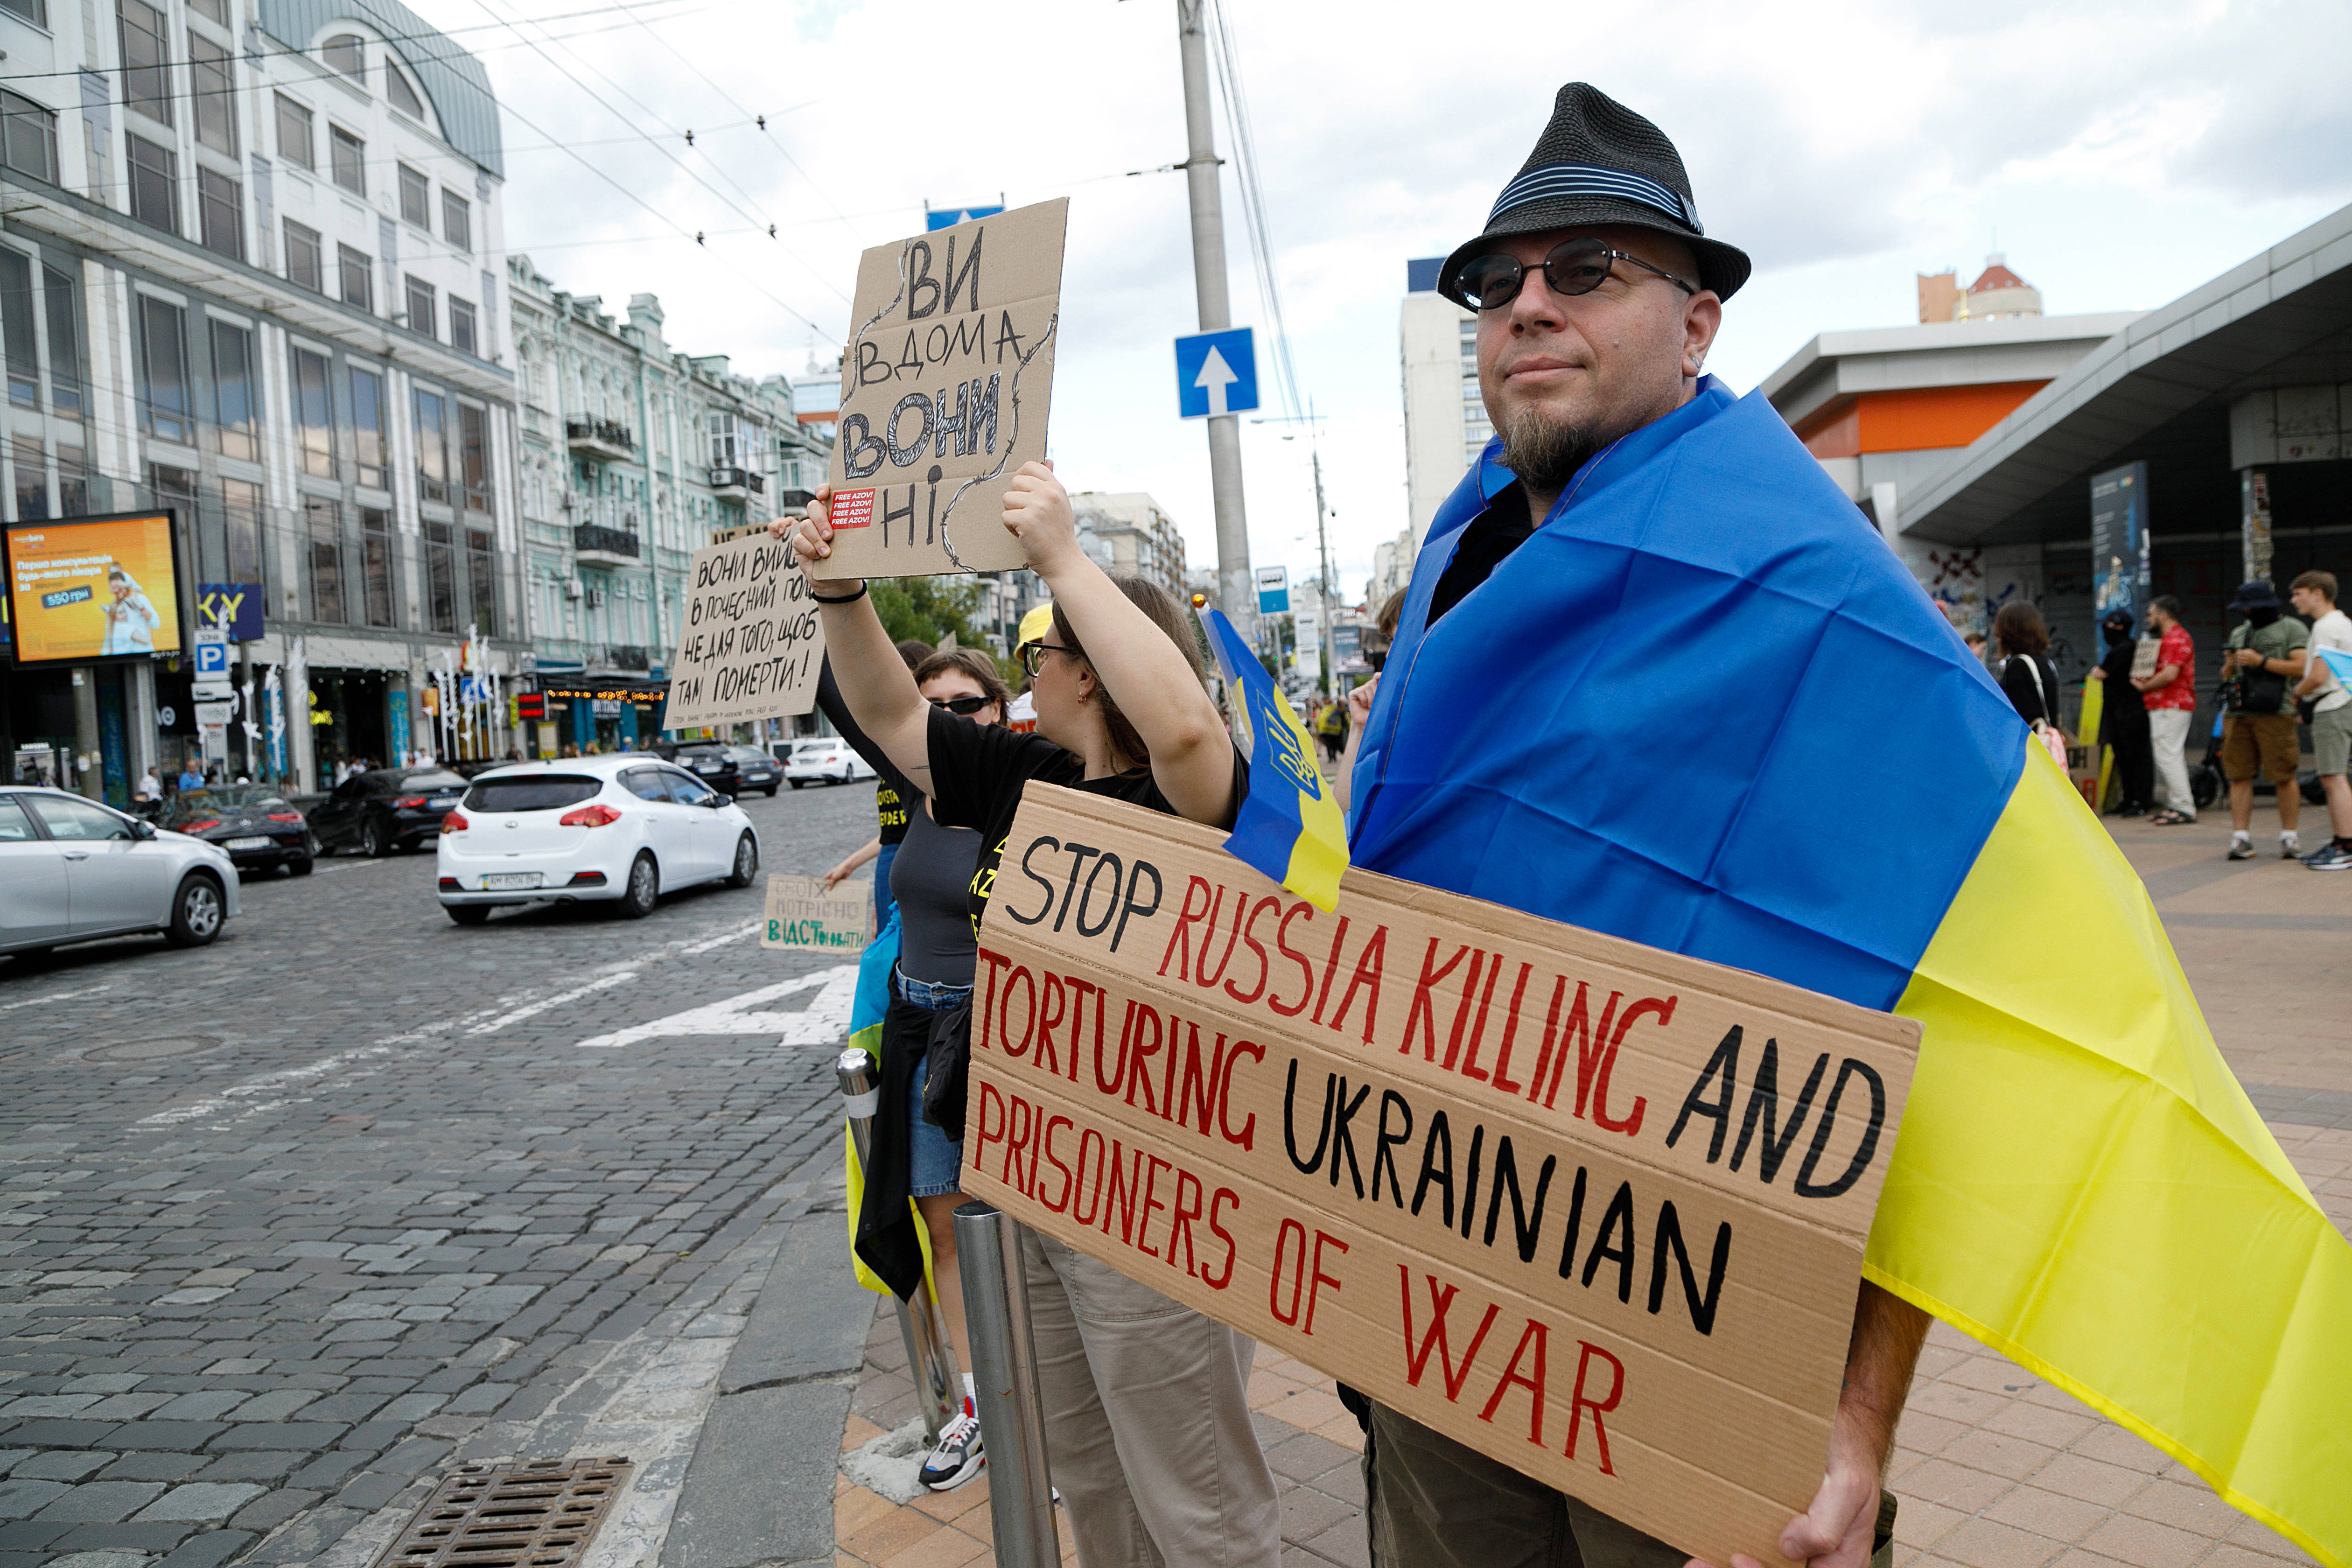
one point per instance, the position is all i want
(1148, 1429)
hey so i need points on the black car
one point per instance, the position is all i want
(255, 824)
(731, 769)
(386, 809)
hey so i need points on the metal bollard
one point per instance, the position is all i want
(1004, 1375)
(930, 1358)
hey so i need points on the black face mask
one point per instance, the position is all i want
(2262, 616)
(2118, 632)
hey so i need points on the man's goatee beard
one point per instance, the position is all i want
(1544, 452)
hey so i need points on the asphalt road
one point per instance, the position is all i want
(290, 1224)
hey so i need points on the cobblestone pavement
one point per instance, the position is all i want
(290, 1222)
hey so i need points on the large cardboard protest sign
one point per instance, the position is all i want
(945, 385)
(803, 913)
(750, 645)
(1593, 1209)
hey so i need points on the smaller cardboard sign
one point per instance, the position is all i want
(945, 386)
(2144, 657)
(803, 916)
(750, 646)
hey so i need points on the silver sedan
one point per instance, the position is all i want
(71, 869)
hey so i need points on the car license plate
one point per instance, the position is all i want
(444, 803)
(249, 843)
(500, 879)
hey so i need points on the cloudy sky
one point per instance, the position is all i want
(2120, 153)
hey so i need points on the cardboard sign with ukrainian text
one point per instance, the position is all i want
(749, 644)
(1596, 1210)
(946, 381)
(803, 915)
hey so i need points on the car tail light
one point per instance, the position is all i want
(200, 827)
(285, 817)
(408, 803)
(455, 822)
(449, 885)
(587, 880)
(596, 815)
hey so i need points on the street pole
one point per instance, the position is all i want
(1329, 598)
(1235, 588)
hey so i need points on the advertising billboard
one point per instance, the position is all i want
(88, 588)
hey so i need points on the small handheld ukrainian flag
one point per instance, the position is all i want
(1289, 825)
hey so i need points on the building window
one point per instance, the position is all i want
(432, 447)
(306, 257)
(314, 414)
(376, 564)
(324, 526)
(36, 11)
(440, 576)
(367, 426)
(164, 409)
(241, 514)
(421, 315)
(32, 478)
(416, 198)
(28, 137)
(215, 84)
(146, 62)
(481, 579)
(349, 153)
(235, 412)
(220, 214)
(16, 329)
(346, 52)
(155, 175)
(403, 96)
(473, 449)
(358, 277)
(294, 142)
(73, 482)
(461, 326)
(213, 11)
(64, 302)
(456, 220)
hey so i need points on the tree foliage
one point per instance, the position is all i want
(928, 608)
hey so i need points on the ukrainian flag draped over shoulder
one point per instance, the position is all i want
(1704, 707)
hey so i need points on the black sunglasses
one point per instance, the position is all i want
(1490, 282)
(1032, 656)
(967, 706)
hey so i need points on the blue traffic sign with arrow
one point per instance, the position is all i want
(1216, 373)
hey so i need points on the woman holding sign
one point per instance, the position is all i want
(1147, 1418)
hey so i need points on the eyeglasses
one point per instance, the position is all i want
(1491, 282)
(1032, 656)
(967, 706)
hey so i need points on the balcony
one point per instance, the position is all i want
(602, 439)
(737, 484)
(595, 543)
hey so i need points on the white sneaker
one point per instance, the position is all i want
(959, 1456)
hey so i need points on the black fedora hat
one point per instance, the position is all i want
(2254, 595)
(1599, 163)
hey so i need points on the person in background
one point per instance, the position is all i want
(190, 777)
(2123, 717)
(2027, 677)
(2260, 666)
(1146, 1409)
(2330, 713)
(1976, 641)
(891, 799)
(150, 787)
(1022, 717)
(2169, 694)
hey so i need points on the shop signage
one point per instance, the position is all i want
(1593, 1209)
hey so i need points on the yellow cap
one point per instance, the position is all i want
(1035, 626)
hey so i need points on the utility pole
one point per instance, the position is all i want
(1328, 597)
(1236, 586)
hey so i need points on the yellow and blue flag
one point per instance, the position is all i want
(1288, 826)
(1704, 707)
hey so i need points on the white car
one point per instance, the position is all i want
(827, 761)
(71, 869)
(627, 828)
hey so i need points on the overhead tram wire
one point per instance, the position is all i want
(667, 152)
(1253, 192)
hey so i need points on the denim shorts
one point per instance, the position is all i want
(934, 1160)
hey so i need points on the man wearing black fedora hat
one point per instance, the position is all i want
(1598, 293)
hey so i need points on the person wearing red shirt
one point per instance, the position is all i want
(2170, 694)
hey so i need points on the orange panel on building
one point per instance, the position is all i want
(1916, 419)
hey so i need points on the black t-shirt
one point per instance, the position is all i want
(2121, 696)
(1502, 528)
(978, 771)
(894, 797)
(2033, 699)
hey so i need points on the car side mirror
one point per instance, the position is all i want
(143, 830)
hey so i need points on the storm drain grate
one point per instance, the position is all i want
(538, 1514)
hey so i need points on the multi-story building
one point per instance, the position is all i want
(243, 273)
(1391, 569)
(632, 456)
(1445, 423)
(1127, 531)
